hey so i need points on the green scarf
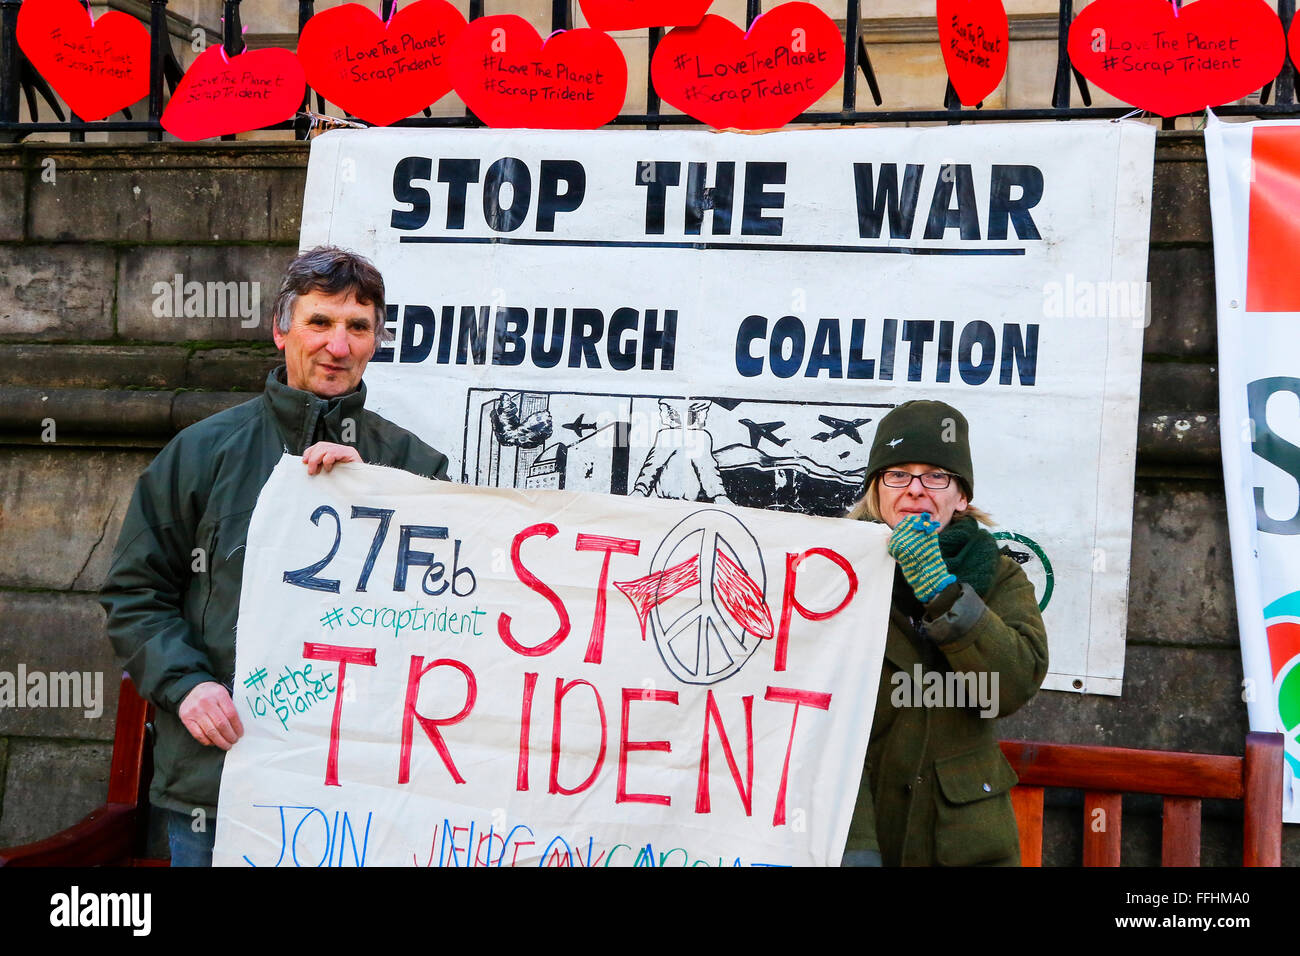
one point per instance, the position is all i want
(970, 552)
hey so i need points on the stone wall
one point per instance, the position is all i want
(86, 344)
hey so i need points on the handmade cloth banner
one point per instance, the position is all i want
(725, 318)
(438, 675)
(1253, 170)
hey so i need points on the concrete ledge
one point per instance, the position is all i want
(1181, 571)
(49, 633)
(93, 366)
(49, 786)
(130, 367)
(1180, 199)
(56, 292)
(1179, 437)
(27, 412)
(166, 192)
(1175, 698)
(1184, 316)
(225, 369)
(205, 293)
(12, 196)
(193, 407)
(62, 510)
(1190, 387)
(101, 413)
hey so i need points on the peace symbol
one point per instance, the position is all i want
(701, 642)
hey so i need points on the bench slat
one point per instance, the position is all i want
(1027, 802)
(1180, 838)
(1121, 770)
(1262, 838)
(1102, 818)
(128, 745)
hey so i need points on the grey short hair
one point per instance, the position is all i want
(331, 270)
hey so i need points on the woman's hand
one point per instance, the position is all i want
(325, 455)
(915, 545)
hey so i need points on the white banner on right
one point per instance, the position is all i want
(1254, 197)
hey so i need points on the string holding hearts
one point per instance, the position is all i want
(638, 14)
(510, 78)
(97, 66)
(381, 72)
(1207, 54)
(975, 39)
(220, 94)
(760, 79)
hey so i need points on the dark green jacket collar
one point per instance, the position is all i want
(303, 418)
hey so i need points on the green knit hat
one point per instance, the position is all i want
(929, 433)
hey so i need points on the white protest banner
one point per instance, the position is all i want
(1253, 169)
(715, 317)
(438, 675)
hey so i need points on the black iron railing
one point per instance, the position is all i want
(19, 79)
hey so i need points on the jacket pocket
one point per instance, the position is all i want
(974, 820)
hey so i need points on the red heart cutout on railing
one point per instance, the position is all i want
(381, 72)
(1211, 52)
(636, 14)
(974, 37)
(220, 95)
(761, 79)
(98, 66)
(509, 78)
(1293, 40)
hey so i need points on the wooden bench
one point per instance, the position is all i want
(1104, 774)
(115, 834)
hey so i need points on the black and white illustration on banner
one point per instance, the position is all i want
(807, 459)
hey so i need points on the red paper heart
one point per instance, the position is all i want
(974, 37)
(635, 14)
(757, 80)
(1213, 51)
(219, 95)
(381, 72)
(504, 72)
(98, 69)
(1293, 40)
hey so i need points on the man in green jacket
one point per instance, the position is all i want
(172, 592)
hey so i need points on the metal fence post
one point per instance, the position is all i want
(561, 15)
(9, 61)
(301, 125)
(158, 49)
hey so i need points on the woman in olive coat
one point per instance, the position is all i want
(965, 626)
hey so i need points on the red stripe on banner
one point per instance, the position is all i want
(1283, 644)
(653, 589)
(1271, 284)
(741, 595)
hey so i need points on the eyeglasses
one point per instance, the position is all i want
(933, 480)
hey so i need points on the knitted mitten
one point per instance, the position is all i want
(915, 545)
